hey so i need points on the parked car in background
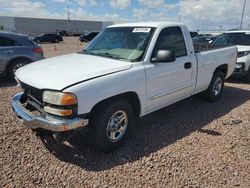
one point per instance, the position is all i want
(88, 37)
(50, 37)
(193, 34)
(242, 40)
(62, 33)
(207, 38)
(201, 40)
(16, 51)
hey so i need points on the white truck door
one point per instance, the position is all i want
(168, 82)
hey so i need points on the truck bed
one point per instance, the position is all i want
(208, 60)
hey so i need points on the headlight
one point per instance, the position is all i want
(244, 53)
(59, 98)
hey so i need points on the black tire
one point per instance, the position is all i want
(214, 91)
(247, 77)
(102, 127)
(14, 66)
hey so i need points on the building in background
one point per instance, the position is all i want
(35, 26)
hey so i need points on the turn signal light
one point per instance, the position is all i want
(59, 112)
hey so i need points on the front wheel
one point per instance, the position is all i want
(215, 88)
(112, 125)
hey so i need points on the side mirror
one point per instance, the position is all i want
(163, 56)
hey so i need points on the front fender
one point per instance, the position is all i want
(93, 91)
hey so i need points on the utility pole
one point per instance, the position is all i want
(179, 19)
(207, 24)
(242, 16)
(68, 14)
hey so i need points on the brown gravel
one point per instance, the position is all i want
(189, 144)
(69, 45)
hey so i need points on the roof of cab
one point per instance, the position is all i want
(147, 24)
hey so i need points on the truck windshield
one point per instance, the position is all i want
(124, 43)
(228, 39)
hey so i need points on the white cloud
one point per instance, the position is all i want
(25, 8)
(39, 10)
(204, 14)
(140, 13)
(120, 4)
(80, 14)
(86, 2)
(152, 3)
(79, 2)
(60, 1)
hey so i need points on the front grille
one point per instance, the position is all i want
(33, 92)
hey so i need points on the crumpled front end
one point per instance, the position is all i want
(32, 118)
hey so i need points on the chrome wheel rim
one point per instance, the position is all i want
(217, 86)
(17, 67)
(117, 126)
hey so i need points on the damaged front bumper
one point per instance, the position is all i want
(44, 121)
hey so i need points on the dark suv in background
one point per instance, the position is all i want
(53, 38)
(17, 50)
(88, 37)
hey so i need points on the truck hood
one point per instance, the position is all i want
(59, 72)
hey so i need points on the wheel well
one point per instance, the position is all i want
(223, 68)
(17, 59)
(131, 97)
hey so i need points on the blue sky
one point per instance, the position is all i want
(197, 14)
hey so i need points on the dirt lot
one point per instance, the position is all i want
(69, 45)
(189, 144)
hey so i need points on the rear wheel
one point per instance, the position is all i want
(112, 125)
(215, 88)
(14, 66)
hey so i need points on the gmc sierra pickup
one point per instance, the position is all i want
(127, 71)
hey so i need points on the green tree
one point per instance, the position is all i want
(1, 27)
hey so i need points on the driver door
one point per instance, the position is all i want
(168, 82)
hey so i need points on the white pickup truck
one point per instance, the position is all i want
(127, 71)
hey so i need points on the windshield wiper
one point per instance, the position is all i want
(113, 56)
(87, 52)
(104, 54)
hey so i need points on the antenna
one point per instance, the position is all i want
(68, 14)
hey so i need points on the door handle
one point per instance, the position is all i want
(188, 65)
(9, 51)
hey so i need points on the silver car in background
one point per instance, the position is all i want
(17, 50)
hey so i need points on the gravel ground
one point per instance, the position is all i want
(69, 45)
(189, 144)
